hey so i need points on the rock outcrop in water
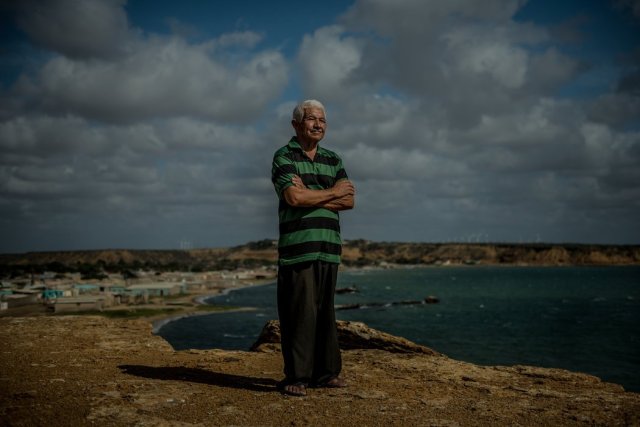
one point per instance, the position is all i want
(93, 371)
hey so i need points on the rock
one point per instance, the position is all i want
(348, 307)
(378, 304)
(351, 336)
(407, 302)
(270, 334)
(371, 394)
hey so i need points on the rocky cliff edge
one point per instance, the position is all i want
(95, 371)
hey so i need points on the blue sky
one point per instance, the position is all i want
(144, 124)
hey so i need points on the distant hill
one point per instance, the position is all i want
(355, 253)
(250, 255)
(366, 252)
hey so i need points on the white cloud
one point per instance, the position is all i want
(78, 29)
(102, 68)
(615, 109)
(50, 137)
(69, 173)
(376, 120)
(466, 120)
(474, 53)
(549, 70)
(446, 114)
(458, 60)
(160, 77)
(327, 59)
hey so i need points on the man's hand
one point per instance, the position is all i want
(345, 192)
(297, 182)
(344, 188)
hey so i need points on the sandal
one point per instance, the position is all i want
(298, 389)
(333, 382)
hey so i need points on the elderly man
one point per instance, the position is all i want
(312, 186)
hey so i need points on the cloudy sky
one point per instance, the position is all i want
(150, 124)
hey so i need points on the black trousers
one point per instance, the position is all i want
(307, 322)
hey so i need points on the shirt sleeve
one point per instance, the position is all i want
(282, 172)
(341, 173)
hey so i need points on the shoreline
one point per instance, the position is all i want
(157, 322)
(218, 328)
(200, 300)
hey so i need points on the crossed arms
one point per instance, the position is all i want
(340, 197)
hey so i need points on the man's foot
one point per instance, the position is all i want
(293, 389)
(333, 382)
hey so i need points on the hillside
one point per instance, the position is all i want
(365, 252)
(355, 253)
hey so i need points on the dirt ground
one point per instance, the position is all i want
(86, 370)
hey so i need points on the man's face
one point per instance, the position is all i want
(312, 127)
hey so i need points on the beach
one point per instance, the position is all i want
(195, 289)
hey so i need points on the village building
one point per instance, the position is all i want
(74, 304)
(19, 298)
(159, 289)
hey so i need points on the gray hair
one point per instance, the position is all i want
(298, 112)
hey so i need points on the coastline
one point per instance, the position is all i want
(386, 305)
(157, 322)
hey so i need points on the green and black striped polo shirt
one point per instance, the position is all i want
(307, 234)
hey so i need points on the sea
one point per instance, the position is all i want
(584, 319)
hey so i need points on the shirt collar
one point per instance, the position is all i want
(293, 143)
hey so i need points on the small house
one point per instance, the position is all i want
(72, 304)
(86, 288)
(159, 289)
(20, 299)
(52, 294)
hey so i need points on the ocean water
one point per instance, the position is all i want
(583, 319)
